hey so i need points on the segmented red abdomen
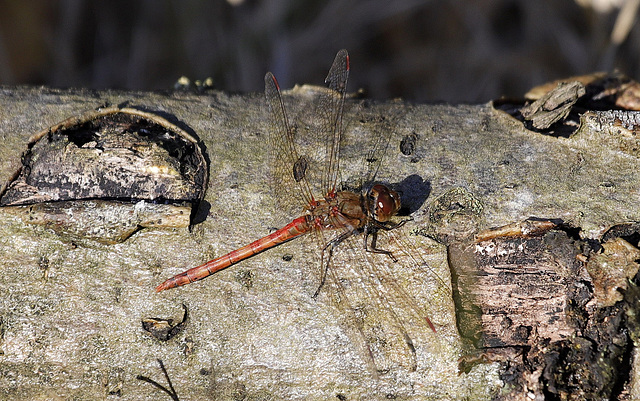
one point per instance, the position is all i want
(297, 227)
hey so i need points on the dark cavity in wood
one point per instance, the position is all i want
(164, 329)
(408, 144)
(300, 168)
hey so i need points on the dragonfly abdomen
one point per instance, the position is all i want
(296, 228)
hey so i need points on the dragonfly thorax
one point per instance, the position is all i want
(381, 203)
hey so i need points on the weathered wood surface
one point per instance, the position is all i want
(559, 312)
(72, 315)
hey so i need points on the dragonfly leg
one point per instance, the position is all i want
(390, 226)
(373, 232)
(329, 250)
(372, 248)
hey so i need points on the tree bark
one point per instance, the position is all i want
(73, 312)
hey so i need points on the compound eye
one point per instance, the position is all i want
(385, 202)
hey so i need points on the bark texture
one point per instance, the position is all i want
(72, 313)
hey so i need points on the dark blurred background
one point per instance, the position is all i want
(424, 51)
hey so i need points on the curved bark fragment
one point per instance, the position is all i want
(106, 173)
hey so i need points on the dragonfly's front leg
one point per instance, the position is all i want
(373, 232)
(372, 248)
(390, 226)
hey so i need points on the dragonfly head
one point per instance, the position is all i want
(382, 202)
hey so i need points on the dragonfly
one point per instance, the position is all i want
(342, 212)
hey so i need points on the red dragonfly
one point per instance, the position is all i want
(344, 212)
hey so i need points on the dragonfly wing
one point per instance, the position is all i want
(331, 108)
(289, 168)
(306, 162)
(378, 141)
(386, 301)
